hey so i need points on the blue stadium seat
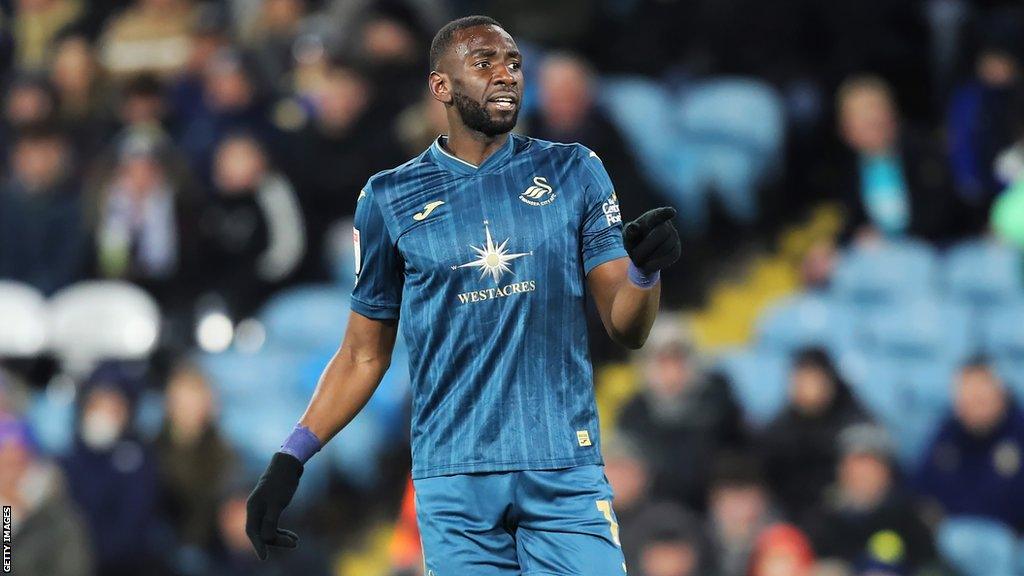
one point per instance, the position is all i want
(52, 417)
(984, 273)
(1002, 333)
(807, 320)
(737, 127)
(885, 273)
(306, 318)
(921, 327)
(978, 547)
(759, 382)
(252, 379)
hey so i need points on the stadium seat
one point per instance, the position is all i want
(759, 382)
(978, 547)
(884, 273)
(921, 327)
(102, 320)
(52, 416)
(306, 318)
(807, 320)
(984, 273)
(737, 128)
(267, 377)
(1002, 333)
(23, 330)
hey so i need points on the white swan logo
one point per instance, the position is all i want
(540, 194)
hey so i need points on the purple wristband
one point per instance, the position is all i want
(301, 443)
(641, 280)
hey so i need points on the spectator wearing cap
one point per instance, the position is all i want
(193, 458)
(893, 182)
(671, 543)
(974, 464)
(144, 221)
(682, 416)
(112, 475)
(868, 515)
(568, 112)
(782, 550)
(799, 446)
(148, 36)
(740, 508)
(983, 117)
(49, 535)
(252, 230)
(42, 235)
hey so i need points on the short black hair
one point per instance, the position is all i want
(443, 38)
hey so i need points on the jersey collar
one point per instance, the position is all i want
(449, 161)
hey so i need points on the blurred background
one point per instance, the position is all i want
(833, 388)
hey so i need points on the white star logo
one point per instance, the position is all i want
(493, 259)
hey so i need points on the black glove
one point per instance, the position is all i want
(652, 241)
(263, 509)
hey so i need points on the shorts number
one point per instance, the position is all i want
(606, 508)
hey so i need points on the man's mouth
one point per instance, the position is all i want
(506, 102)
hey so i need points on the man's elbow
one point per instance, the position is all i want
(630, 341)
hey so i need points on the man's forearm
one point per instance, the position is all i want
(633, 312)
(345, 386)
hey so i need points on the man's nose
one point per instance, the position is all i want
(504, 77)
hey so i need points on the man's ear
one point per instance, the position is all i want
(439, 87)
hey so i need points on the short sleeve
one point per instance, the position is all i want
(378, 290)
(602, 221)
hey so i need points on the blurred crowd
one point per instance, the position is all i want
(211, 153)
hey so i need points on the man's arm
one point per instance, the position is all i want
(627, 310)
(345, 386)
(351, 376)
(627, 291)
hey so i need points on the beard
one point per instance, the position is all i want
(475, 116)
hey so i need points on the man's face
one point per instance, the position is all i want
(864, 480)
(980, 401)
(868, 121)
(738, 510)
(677, 558)
(37, 163)
(486, 79)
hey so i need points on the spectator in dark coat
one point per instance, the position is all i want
(682, 417)
(869, 510)
(113, 478)
(893, 183)
(49, 536)
(193, 458)
(799, 446)
(42, 238)
(740, 508)
(974, 464)
(673, 543)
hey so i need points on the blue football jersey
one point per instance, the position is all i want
(486, 267)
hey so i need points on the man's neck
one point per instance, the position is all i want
(472, 146)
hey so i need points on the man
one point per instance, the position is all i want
(485, 245)
(973, 466)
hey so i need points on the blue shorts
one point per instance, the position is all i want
(531, 522)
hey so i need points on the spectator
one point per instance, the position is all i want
(112, 476)
(682, 417)
(193, 458)
(782, 550)
(50, 538)
(982, 114)
(799, 446)
(36, 24)
(569, 113)
(893, 183)
(420, 124)
(973, 466)
(149, 36)
(42, 240)
(241, 263)
(272, 35)
(739, 509)
(672, 543)
(29, 100)
(81, 92)
(347, 135)
(209, 36)
(144, 221)
(627, 473)
(390, 47)
(142, 104)
(232, 102)
(868, 510)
